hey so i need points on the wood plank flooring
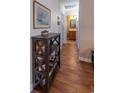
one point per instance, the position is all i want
(73, 76)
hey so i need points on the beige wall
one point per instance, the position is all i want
(86, 26)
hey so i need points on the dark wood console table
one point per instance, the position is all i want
(45, 59)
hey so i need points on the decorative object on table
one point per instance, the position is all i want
(45, 33)
(41, 16)
(46, 63)
(72, 23)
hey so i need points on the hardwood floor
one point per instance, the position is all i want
(73, 76)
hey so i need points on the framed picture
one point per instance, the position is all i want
(72, 23)
(41, 16)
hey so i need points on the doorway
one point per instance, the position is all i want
(71, 28)
(69, 21)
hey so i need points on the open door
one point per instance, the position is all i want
(71, 27)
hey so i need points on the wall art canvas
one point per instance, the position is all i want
(41, 16)
(72, 24)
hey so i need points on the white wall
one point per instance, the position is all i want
(86, 17)
(54, 6)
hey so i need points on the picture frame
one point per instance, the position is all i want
(72, 23)
(41, 16)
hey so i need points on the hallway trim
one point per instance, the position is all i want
(84, 59)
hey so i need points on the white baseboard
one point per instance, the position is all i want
(31, 87)
(85, 59)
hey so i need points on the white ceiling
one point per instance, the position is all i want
(69, 7)
(70, 1)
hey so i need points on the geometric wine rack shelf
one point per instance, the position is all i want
(45, 59)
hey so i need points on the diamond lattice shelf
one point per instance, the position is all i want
(45, 59)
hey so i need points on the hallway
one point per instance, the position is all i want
(73, 76)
